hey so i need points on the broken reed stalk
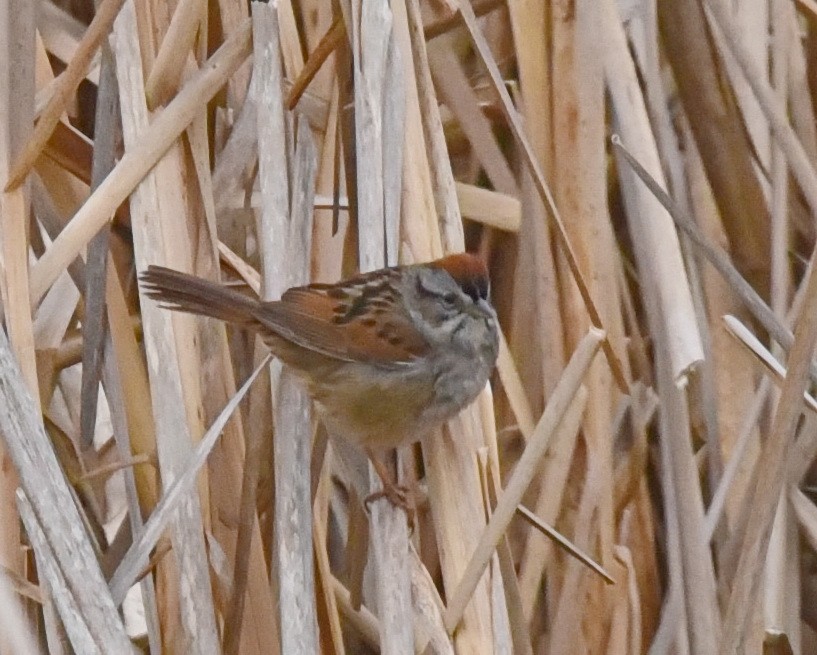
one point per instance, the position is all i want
(63, 90)
(139, 160)
(52, 507)
(163, 513)
(541, 186)
(379, 84)
(523, 473)
(285, 219)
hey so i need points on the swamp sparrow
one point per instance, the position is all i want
(387, 356)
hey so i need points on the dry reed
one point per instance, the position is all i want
(640, 179)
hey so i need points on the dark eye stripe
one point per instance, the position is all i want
(484, 288)
(476, 289)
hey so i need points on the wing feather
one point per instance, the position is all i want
(359, 322)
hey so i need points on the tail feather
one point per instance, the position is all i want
(194, 295)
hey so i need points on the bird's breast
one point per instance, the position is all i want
(373, 408)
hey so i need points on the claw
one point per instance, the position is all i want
(400, 497)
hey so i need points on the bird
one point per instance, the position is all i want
(387, 356)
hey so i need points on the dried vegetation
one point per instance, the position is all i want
(268, 145)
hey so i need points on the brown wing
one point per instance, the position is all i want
(359, 320)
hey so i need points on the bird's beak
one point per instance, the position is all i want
(485, 307)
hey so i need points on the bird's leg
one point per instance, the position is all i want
(399, 496)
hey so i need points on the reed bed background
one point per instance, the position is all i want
(640, 177)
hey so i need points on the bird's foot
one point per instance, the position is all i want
(399, 496)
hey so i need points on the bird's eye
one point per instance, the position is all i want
(485, 290)
(449, 299)
(473, 291)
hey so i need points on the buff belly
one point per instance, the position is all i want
(379, 412)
